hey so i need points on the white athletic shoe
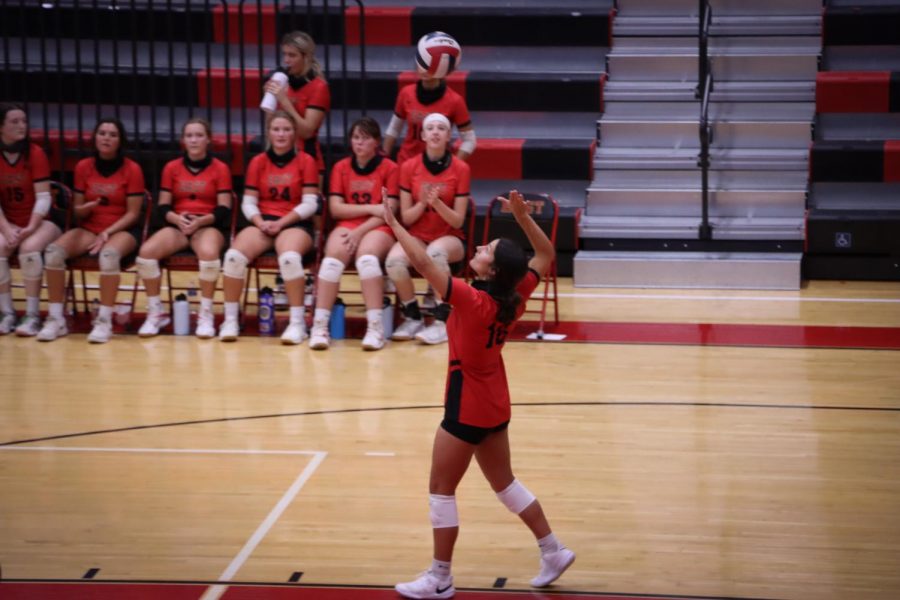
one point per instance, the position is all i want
(408, 329)
(229, 330)
(428, 585)
(374, 338)
(319, 339)
(29, 326)
(156, 320)
(553, 565)
(52, 329)
(7, 323)
(102, 331)
(436, 333)
(206, 327)
(294, 334)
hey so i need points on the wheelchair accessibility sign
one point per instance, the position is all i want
(843, 240)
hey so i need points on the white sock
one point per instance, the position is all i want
(6, 305)
(154, 303)
(548, 544)
(231, 310)
(206, 304)
(322, 314)
(440, 568)
(105, 312)
(56, 310)
(32, 305)
(373, 315)
(297, 314)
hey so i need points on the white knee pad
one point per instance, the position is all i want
(147, 268)
(516, 497)
(110, 261)
(209, 270)
(439, 258)
(55, 257)
(235, 264)
(290, 264)
(4, 270)
(331, 269)
(32, 265)
(442, 511)
(368, 267)
(397, 267)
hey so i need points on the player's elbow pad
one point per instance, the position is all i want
(468, 141)
(42, 203)
(250, 206)
(308, 206)
(394, 127)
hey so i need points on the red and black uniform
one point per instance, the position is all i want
(310, 92)
(279, 182)
(414, 103)
(110, 183)
(196, 193)
(451, 176)
(363, 185)
(477, 393)
(17, 184)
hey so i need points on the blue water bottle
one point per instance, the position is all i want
(387, 318)
(266, 312)
(336, 324)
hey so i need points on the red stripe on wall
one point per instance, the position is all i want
(231, 80)
(250, 15)
(456, 80)
(892, 160)
(853, 91)
(385, 26)
(58, 141)
(497, 159)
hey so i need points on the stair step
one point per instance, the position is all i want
(723, 91)
(719, 7)
(769, 181)
(711, 270)
(721, 25)
(606, 158)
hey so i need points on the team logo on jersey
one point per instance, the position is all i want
(280, 179)
(12, 179)
(362, 185)
(191, 187)
(103, 189)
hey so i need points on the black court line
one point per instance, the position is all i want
(540, 593)
(62, 436)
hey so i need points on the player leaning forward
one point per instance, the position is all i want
(476, 405)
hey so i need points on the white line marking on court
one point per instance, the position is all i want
(215, 592)
(380, 454)
(163, 450)
(740, 298)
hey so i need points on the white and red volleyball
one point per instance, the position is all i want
(438, 54)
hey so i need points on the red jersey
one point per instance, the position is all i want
(280, 189)
(411, 108)
(452, 183)
(195, 193)
(312, 94)
(112, 192)
(363, 186)
(477, 392)
(17, 184)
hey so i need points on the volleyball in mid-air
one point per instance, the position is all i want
(438, 54)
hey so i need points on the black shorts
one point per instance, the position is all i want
(306, 224)
(469, 433)
(226, 233)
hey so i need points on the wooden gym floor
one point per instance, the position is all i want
(693, 444)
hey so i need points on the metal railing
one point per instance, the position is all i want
(704, 87)
(149, 62)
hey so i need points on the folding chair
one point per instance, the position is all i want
(87, 263)
(499, 222)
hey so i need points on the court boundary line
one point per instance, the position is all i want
(615, 296)
(15, 444)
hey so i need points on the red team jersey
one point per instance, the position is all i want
(312, 94)
(410, 109)
(195, 193)
(17, 184)
(363, 186)
(452, 183)
(281, 188)
(477, 393)
(111, 192)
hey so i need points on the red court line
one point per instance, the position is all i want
(713, 334)
(150, 591)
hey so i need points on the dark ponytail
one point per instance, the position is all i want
(510, 266)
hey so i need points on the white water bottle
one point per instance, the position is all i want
(270, 101)
(181, 313)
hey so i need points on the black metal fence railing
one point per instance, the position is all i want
(155, 63)
(704, 88)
